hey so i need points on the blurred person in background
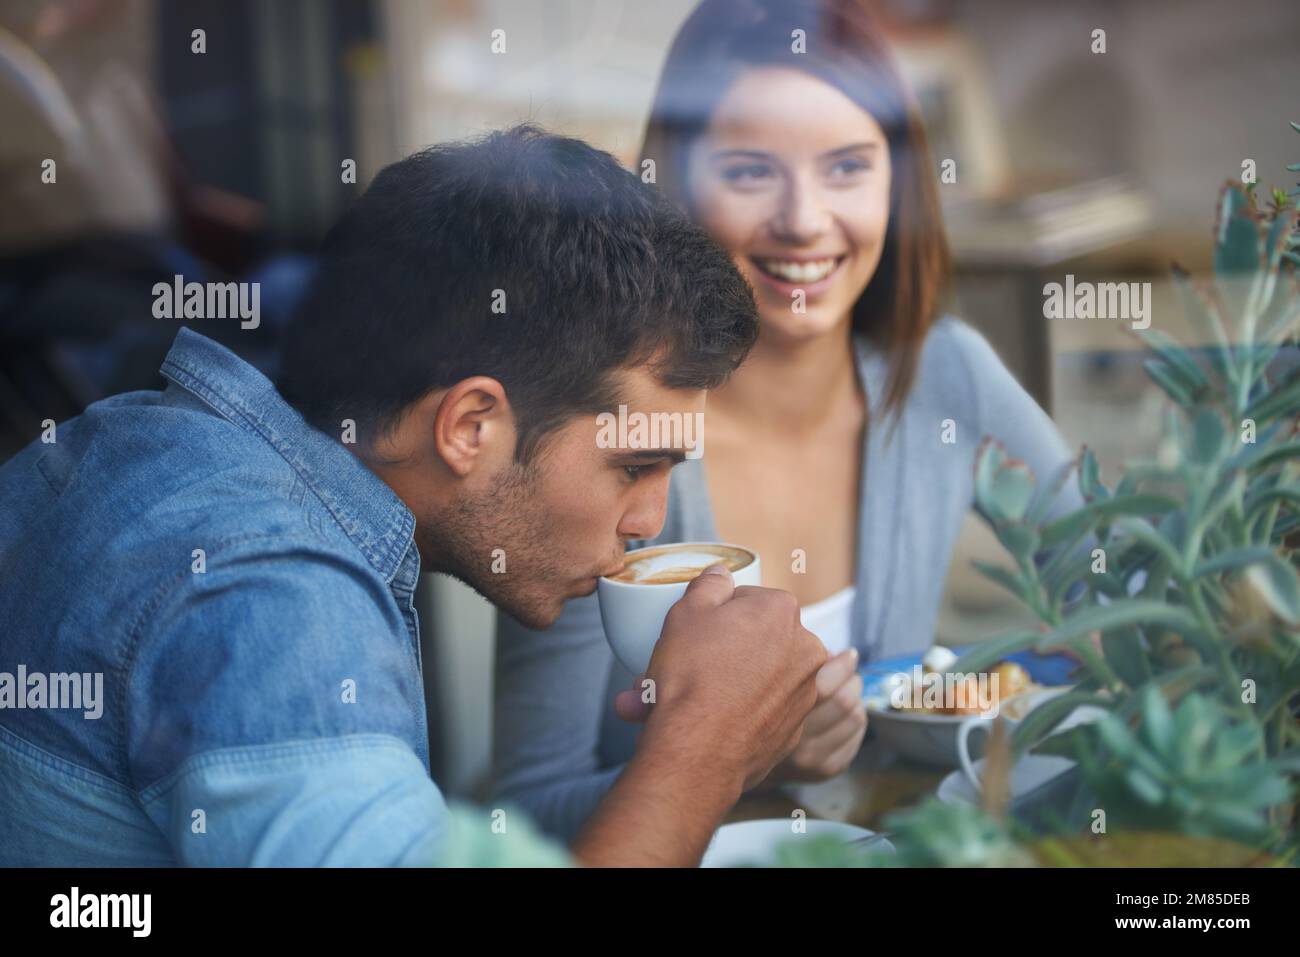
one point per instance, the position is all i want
(826, 450)
(98, 206)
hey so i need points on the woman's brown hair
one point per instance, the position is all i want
(843, 47)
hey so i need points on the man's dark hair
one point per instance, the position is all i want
(598, 271)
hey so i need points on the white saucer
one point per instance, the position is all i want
(1030, 773)
(755, 842)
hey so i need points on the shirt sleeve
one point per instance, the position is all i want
(550, 700)
(1010, 415)
(358, 800)
(274, 713)
(362, 800)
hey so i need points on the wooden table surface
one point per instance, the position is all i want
(877, 782)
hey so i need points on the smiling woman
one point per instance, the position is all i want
(794, 178)
(767, 106)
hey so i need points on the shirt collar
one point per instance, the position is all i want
(367, 510)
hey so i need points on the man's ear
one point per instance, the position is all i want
(473, 422)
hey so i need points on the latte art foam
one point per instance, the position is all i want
(672, 564)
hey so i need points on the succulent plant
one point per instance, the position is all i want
(935, 834)
(822, 850)
(1293, 247)
(1195, 770)
(473, 837)
(1186, 570)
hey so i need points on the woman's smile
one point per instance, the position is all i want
(787, 274)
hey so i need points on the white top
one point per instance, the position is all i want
(828, 619)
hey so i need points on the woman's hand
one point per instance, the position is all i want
(833, 731)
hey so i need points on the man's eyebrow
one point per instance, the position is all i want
(677, 456)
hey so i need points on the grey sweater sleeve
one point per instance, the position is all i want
(1006, 412)
(551, 691)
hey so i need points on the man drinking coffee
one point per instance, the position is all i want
(238, 559)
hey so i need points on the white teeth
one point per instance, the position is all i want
(797, 272)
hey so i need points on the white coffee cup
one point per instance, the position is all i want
(982, 722)
(633, 611)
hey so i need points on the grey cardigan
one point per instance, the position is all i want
(558, 746)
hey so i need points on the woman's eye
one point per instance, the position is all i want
(849, 167)
(745, 174)
(634, 471)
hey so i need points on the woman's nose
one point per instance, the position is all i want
(803, 215)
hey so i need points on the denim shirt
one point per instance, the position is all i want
(240, 585)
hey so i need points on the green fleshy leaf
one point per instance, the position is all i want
(1280, 401)
(1049, 495)
(1277, 583)
(1238, 247)
(1163, 375)
(1231, 561)
(1145, 533)
(1207, 437)
(1019, 540)
(1288, 494)
(1010, 491)
(1157, 721)
(988, 459)
(1177, 357)
(1121, 614)
(1279, 231)
(985, 654)
(1222, 498)
(1059, 575)
(1203, 313)
(1172, 527)
(1003, 576)
(1126, 656)
(1044, 717)
(1263, 454)
(1070, 526)
(1144, 787)
(1090, 486)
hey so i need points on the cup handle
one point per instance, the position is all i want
(973, 723)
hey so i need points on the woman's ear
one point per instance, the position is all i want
(473, 423)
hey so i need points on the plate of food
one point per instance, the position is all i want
(916, 703)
